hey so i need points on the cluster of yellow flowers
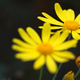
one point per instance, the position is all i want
(50, 48)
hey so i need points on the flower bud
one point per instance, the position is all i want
(77, 61)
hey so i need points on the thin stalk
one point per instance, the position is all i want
(69, 37)
(41, 71)
(57, 71)
(78, 72)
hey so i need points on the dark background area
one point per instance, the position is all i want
(23, 13)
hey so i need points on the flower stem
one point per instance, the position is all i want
(57, 71)
(78, 72)
(69, 37)
(41, 71)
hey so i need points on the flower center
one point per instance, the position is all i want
(71, 25)
(45, 48)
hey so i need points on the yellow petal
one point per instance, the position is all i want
(21, 43)
(65, 54)
(54, 37)
(59, 59)
(39, 62)
(78, 19)
(59, 12)
(66, 15)
(25, 36)
(21, 49)
(75, 35)
(51, 65)
(63, 29)
(51, 21)
(78, 30)
(47, 15)
(66, 45)
(33, 35)
(70, 14)
(52, 27)
(46, 32)
(61, 38)
(27, 56)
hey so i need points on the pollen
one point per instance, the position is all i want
(71, 25)
(45, 48)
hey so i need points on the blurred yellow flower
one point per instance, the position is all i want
(45, 51)
(77, 61)
(68, 19)
(69, 76)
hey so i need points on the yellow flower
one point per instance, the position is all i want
(46, 50)
(77, 61)
(68, 19)
(69, 76)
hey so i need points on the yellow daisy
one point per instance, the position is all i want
(44, 51)
(68, 19)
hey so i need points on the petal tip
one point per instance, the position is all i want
(57, 4)
(17, 56)
(36, 68)
(43, 12)
(39, 17)
(28, 28)
(14, 39)
(53, 71)
(13, 46)
(73, 57)
(20, 29)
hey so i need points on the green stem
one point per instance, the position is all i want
(69, 37)
(57, 71)
(78, 72)
(41, 71)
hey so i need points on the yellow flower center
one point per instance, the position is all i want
(45, 48)
(71, 25)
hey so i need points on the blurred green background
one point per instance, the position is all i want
(23, 13)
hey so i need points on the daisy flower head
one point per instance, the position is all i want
(68, 21)
(47, 50)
